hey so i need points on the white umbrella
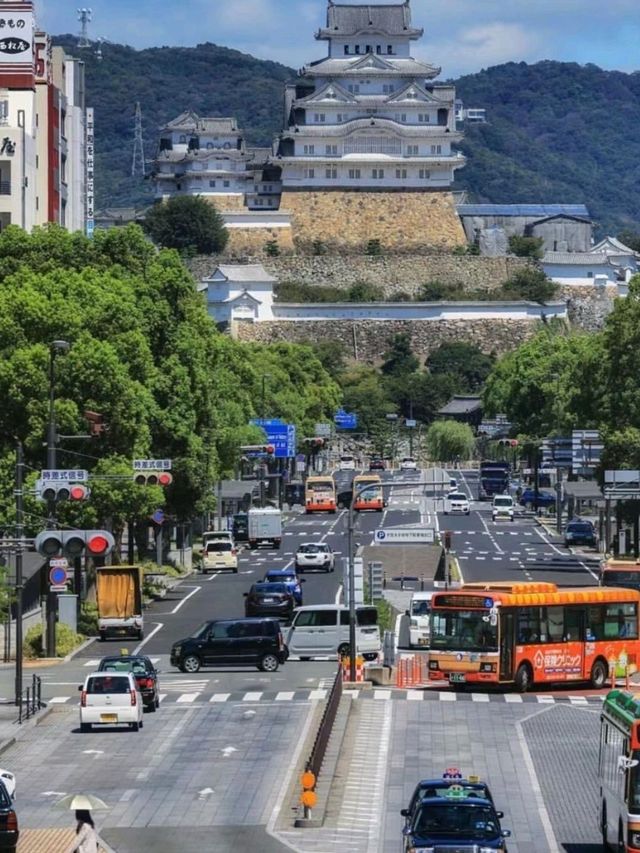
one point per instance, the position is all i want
(81, 802)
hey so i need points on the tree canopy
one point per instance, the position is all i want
(188, 224)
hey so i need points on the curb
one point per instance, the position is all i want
(77, 651)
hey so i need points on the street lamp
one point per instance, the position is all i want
(52, 438)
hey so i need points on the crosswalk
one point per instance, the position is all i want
(190, 698)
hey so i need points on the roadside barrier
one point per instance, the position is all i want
(345, 663)
(412, 671)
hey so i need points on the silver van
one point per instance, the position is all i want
(318, 630)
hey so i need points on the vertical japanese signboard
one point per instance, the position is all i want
(89, 160)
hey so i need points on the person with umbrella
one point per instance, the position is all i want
(86, 840)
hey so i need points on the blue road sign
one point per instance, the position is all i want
(345, 420)
(158, 516)
(57, 576)
(282, 436)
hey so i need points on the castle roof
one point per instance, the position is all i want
(372, 64)
(612, 246)
(577, 259)
(191, 121)
(393, 19)
(539, 211)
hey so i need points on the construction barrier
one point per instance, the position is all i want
(412, 671)
(345, 663)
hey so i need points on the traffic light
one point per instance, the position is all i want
(508, 442)
(315, 443)
(74, 543)
(56, 492)
(153, 478)
(267, 449)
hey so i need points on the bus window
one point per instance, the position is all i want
(621, 620)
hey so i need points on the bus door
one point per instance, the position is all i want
(507, 643)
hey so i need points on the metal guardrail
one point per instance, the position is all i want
(30, 700)
(326, 725)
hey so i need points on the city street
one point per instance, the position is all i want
(210, 769)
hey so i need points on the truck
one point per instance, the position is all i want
(493, 480)
(264, 526)
(119, 601)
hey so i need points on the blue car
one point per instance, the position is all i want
(290, 579)
(545, 499)
(456, 822)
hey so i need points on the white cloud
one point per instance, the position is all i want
(480, 47)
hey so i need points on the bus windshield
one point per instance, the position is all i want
(463, 630)
(320, 485)
(620, 577)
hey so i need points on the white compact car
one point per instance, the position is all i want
(457, 502)
(408, 464)
(108, 699)
(314, 555)
(347, 463)
(9, 781)
(503, 508)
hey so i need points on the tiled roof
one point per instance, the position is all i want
(245, 272)
(575, 259)
(461, 406)
(390, 18)
(353, 65)
(612, 246)
(188, 120)
(537, 210)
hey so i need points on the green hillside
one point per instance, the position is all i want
(556, 132)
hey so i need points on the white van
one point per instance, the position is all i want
(419, 613)
(323, 629)
(347, 463)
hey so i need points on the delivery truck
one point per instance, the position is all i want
(265, 526)
(119, 601)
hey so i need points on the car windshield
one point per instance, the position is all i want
(468, 630)
(457, 496)
(579, 527)
(505, 502)
(284, 579)
(218, 546)
(428, 789)
(420, 608)
(201, 630)
(618, 577)
(455, 820)
(346, 458)
(267, 588)
(409, 460)
(311, 549)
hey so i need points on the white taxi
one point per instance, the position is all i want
(110, 698)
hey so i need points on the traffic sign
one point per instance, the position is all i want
(410, 423)
(323, 430)
(57, 576)
(152, 464)
(64, 475)
(158, 516)
(345, 420)
(59, 563)
(282, 436)
(393, 535)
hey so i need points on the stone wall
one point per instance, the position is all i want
(366, 340)
(391, 273)
(588, 307)
(249, 242)
(402, 221)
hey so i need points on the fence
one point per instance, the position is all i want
(326, 725)
(30, 700)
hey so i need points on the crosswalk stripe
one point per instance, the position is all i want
(479, 697)
(219, 697)
(578, 700)
(162, 697)
(512, 697)
(382, 694)
(543, 699)
(58, 700)
(284, 696)
(317, 694)
(187, 697)
(92, 663)
(252, 697)
(415, 695)
(448, 697)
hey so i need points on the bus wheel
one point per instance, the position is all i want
(523, 678)
(598, 675)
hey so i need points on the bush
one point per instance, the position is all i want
(438, 291)
(526, 247)
(363, 291)
(188, 224)
(272, 248)
(318, 248)
(88, 621)
(66, 641)
(530, 284)
(373, 247)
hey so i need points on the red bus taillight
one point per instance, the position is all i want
(83, 699)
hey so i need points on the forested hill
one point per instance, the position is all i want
(556, 132)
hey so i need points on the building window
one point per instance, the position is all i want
(212, 184)
(331, 150)
(354, 174)
(378, 48)
(436, 149)
(388, 88)
(412, 150)
(424, 174)
(589, 275)
(390, 49)
(377, 174)
(331, 173)
(178, 186)
(401, 117)
(425, 117)
(339, 118)
(309, 173)
(357, 48)
(401, 173)
(346, 50)
(354, 88)
(183, 140)
(368, 49)
(319, 117)
(309, 149)
(226, 183)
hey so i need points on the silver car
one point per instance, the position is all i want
(315, 555)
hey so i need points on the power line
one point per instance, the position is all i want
(138, 163)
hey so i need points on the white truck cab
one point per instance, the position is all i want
(419, 612)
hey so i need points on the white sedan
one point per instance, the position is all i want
(457, 502)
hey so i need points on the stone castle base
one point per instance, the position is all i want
(367, 340)
(252, 242)
(346, 221)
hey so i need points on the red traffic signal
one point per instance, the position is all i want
(78, 492)
(75, 543)
(153, 478)
(514, 442)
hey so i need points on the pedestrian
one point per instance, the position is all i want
(86, 840)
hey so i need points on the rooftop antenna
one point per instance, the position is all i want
(138, 162)
(84, 16)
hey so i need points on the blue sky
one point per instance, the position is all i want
(462, 36)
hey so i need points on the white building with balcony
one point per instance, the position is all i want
(369, 116)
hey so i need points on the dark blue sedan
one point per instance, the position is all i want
(455, 822)
(427, 788)
(290, 579)
(545, 499)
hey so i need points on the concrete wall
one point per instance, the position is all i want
(392, 273)
(426, 312)
(34, 617)
(367, 340)
(346, 221)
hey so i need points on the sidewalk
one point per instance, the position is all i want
(50, 840)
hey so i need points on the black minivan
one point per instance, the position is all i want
(232, 642)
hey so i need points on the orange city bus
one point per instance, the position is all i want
(619, 572)
(372, 498)
(532, 633)
(320, 494)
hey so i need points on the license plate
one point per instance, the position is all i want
(108, 718)
(268, 600)
(422, 641)
(457, 677)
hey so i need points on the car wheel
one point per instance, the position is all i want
(305, 658)
(157, 703)
(151, 708)
(135, 726)
(269, 663)
(103, 637)
(599, 675)
(190, 664)
(85, 727)
(523, 678)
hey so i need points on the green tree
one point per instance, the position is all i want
(630, 238)
(530, 284)
(450, 440)
(332, 356)
(399, 359)
(365, 291)
(188, 224)
(364, 394)
(526, 247)
(467, 365)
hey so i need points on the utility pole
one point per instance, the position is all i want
(19, 534)
(84, 16)
(138, 164)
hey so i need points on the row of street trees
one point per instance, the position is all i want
(145, 354)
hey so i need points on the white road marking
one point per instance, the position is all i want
(318, 694)
(141, 645)
(58, 700)
(448, 697)
(415, 695)
(186, 698)
(220, 697)
(252, 697)
(285, 696)
(479, 697)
